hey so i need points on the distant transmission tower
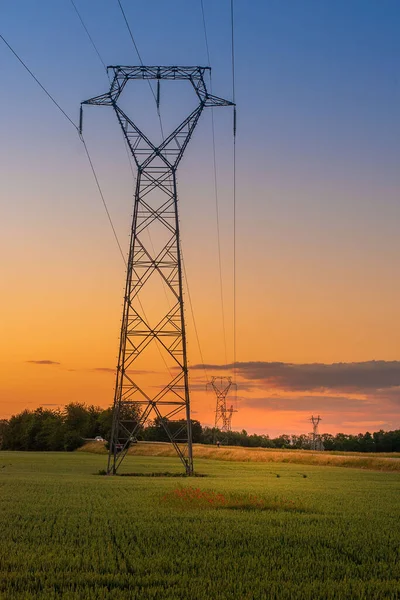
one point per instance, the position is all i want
(223, 416)
(155, 210)
(316, 443)
(229, 414)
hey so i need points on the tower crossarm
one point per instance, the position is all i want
(171, 149)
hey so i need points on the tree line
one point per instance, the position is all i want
(69, 428)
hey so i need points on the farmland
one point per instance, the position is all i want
(372, 461)
(246, 530)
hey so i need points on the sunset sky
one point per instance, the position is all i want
(318, 206)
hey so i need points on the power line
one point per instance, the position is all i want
(38, 82)
(218, 234)
(81, 137)
(89, 36)
(216, 195)
(156, 99)
(194, 320)
(103, 200)
(162, 133)
(233, 50)
(102, 195)
(130, 33)
(91, 166)
(234, 185)
(205, 32)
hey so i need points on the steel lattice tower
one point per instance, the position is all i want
(315, 437)
(155, 208)
(223, 416)
(229, 415)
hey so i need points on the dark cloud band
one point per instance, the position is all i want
(348, 377)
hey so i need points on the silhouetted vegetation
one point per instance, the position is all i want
(379, 441)
(45, 429)
(67, 429)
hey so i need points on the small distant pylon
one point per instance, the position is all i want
(229, 414)
(316, 442)
(223, 416)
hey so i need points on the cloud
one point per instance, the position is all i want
(373, 424)
(391, 396)
(308, 403)
(365, 376)
(43, 362)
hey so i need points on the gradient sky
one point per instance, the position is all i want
(318, 183)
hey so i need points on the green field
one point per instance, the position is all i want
(281, 531)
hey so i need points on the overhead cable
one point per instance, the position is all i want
(38, 82)
(156, 97)
(234, 184)
(89, 36)
(216, 195)
(91, 166)
(194, 320)
(81, 137)
(103, 199)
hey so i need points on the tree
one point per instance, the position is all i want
(3, 429)
(104, 423)
(328, 441)
(282, 441)
(77, 419)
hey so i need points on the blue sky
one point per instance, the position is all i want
(318, 178)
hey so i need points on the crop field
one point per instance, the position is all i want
(372, 461)
(246, 530)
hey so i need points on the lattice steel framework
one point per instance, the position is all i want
(156, 203)
(316, 442)
(229, 415)
(223, 416)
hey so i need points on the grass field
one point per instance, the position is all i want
(248, 530)
(372, 461)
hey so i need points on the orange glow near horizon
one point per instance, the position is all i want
(68, 312)
(317, 251)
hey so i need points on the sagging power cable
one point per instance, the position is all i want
(38, 82)
(156, 97)
(77, 129)
(234, 185)
(216, 194)
(194, 321)
(81, 137)
(89, 36)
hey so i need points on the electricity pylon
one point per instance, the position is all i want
(155, 209)
(316, 443)
(229, 414)
(223, 416)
